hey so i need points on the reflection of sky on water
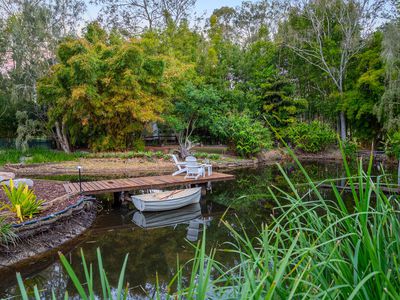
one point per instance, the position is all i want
(156, 248)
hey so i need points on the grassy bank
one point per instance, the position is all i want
(41, 155)
(36, 155)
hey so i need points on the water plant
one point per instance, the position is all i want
(85, 290)
(315, 248)
(23, 201)
(7, 234)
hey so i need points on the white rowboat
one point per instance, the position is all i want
(167, 200)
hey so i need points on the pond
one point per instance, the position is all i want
(155, 249)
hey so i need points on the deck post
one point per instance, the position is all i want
(117, 200)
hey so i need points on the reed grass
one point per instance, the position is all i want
(315, 248)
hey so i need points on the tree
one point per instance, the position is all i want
(194, 108)
(327, 35)
(30, 32)
(136, 16)
(364, 89)
(388, 109)
(103, 91)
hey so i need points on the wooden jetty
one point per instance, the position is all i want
(140, 183)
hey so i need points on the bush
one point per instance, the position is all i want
(204, 155)
(7, 235)
(350, 150)
(23, 201)
(311, 137)
(392, 145)
(247, 136)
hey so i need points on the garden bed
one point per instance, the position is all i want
(53, 194)
(62, 218)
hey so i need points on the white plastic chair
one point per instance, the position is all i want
(194, 169)
(180, 165)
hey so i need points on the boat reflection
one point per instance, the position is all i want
(190, 215)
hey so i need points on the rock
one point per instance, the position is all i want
(19, 181)
(6, 176)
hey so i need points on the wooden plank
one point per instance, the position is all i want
(67, 188)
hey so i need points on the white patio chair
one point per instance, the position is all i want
(194, 169)
(180, 165)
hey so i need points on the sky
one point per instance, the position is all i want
(201, 6)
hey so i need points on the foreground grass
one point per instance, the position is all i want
(315, 248)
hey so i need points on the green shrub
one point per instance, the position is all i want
(350, 149)
(246, 135)
(7, 234)
(311, 137)
(204, 155)
(23, 201)
(392, 145)
(138, 145)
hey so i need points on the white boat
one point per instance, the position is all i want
(167, 200)
(167, 218)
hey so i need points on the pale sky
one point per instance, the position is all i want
(201, 6)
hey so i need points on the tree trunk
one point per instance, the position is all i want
(62, 138)
(342, 126)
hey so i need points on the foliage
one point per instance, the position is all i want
(27, 130)
(392, 145)
(37, 155)
(23, 201)
(247, 136)
(350, 149)
(311, 137)
(204, 155)
(88, 293)
(104, 90)
(387, 109)
(195, 108)
(311, 248)
(29, 33)
(7, 234)
(364, 90)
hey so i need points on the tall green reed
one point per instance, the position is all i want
(314, 248)
(85, 289)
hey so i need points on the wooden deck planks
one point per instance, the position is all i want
(128, 184)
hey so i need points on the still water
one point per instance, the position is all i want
(162, 238)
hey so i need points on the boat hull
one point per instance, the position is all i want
(193, 196)
(167, 218)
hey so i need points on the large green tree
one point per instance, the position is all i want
(328, 34)
(103, 90)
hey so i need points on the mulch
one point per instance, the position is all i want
(48, 190)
